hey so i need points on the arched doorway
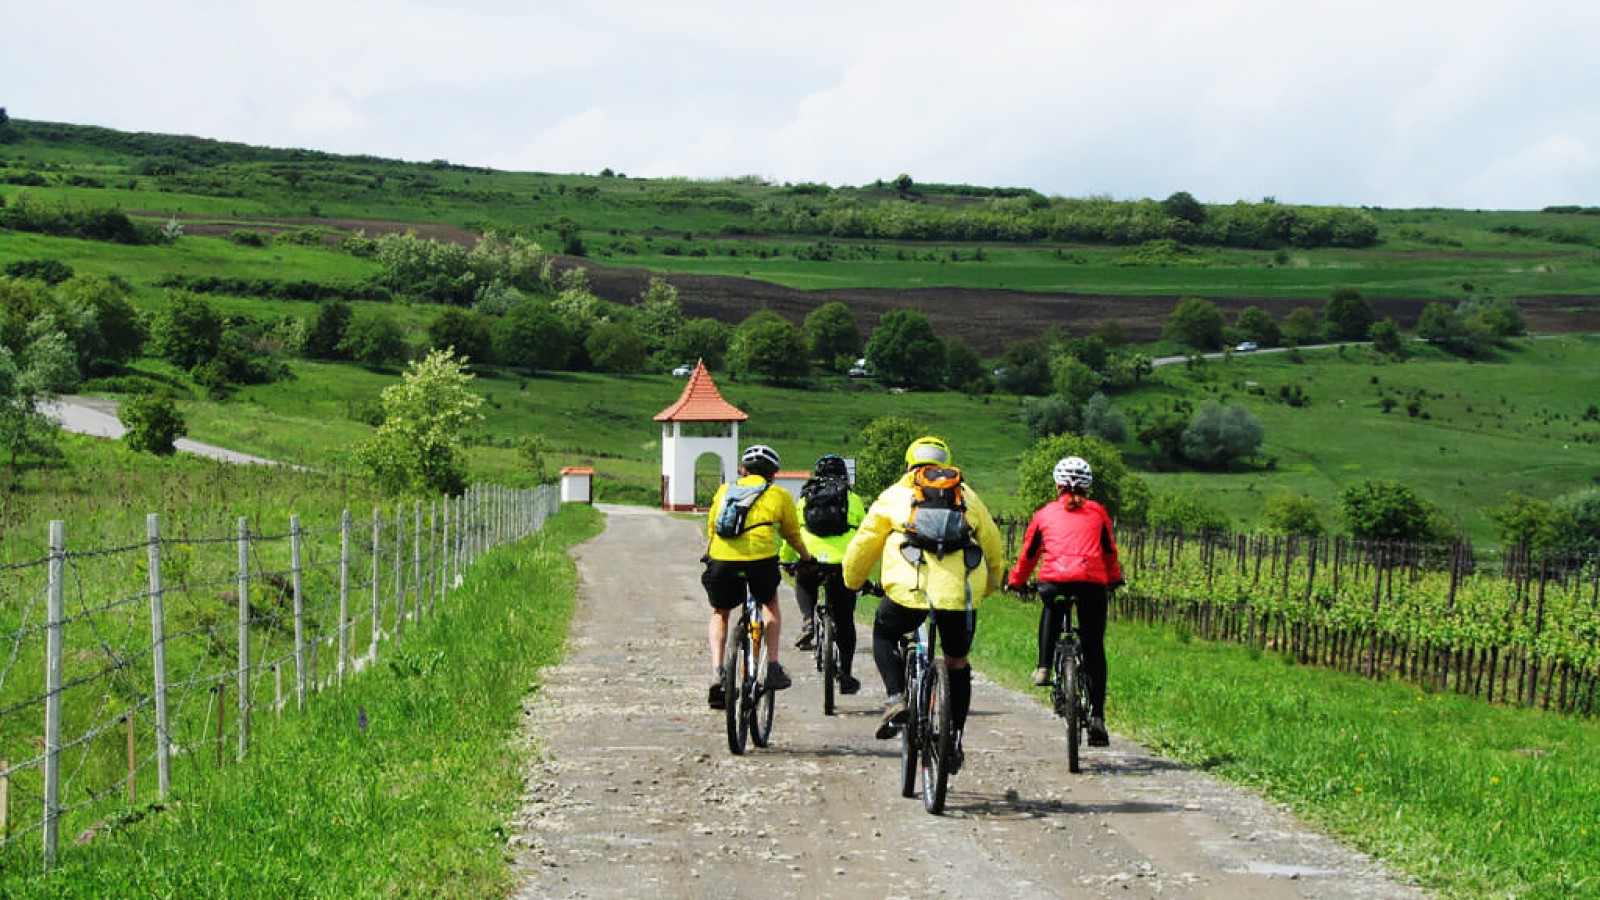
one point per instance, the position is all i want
(707, 478)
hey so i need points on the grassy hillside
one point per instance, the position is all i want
(1482, 428)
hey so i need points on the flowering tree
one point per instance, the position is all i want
(417, 449)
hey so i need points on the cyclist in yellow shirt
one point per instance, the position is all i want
(746, 564)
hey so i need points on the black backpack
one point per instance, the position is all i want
(827, 511)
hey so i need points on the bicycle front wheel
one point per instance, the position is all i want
(1072, 712)
(828, 655)
(909, 739)
(938, 738)
(735, 672)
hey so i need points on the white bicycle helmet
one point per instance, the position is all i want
(760, 453)
(1074, 472)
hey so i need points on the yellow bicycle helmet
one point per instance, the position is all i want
(927, 450)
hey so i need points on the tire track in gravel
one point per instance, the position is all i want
(631, 790)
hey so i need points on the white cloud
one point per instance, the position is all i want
(1426, 102)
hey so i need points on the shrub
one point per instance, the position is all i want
(153, 424)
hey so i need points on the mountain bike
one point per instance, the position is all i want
(927, 739)
(825, 652)
(1069, 683)
(749, 703)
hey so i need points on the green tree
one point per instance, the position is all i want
(113, 333)
(1024, 369)
(1286, 513)
(1527, 521)
(188, 331)
(1122, 491)
(616, 347)
(833, 339)
(1074, 379)
(418, 448)
(1183, 206)
(1186, 509)
(771, 349)
(881, 453)
(1256, 324)
(534, 450)
(1217, 435)
(1386, 337)
(1102, 419)
(904, 350)
(1581, 508)
(658, 315)
(374, 339)
(468, 331)
(701, 339)
(1197, 323)
(532, 337)
(153, 424)
(327, 331)
(1046, 416)
(1383, 509)
(1302, 326)
(1347, 315)
(964, 368)
(30, 377)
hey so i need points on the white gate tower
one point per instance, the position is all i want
(700, 422)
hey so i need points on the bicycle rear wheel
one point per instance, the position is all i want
(938, 737)
(735, 665)
(828, 655)
(1072, 711)
(761, 698)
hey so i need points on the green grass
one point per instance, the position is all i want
(414, 805)
(1474, 800)
(1516, 423)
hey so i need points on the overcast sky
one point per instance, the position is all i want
(1475, 104)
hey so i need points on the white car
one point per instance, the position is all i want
(683, 371)
(1246, 347)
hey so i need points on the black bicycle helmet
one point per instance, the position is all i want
(831, 466)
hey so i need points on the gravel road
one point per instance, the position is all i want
(97, 417)
(631, 790)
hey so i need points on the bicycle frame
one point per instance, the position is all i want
(749, 705)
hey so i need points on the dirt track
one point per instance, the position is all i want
(632, 791)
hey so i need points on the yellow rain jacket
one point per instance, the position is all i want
(771, 520)
(947, 582)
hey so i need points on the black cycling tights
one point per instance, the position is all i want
(1057, 599)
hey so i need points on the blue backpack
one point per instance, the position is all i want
(735, 509)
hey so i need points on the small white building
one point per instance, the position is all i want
(577, 484)
(699, 422)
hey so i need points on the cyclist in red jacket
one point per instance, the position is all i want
(1072, 536)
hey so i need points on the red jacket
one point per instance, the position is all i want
(1076, 545)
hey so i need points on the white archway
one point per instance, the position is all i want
(699, 423)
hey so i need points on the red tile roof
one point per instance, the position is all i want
(701, 402)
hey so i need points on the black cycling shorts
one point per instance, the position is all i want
(729, 581)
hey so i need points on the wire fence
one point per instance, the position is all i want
(1517, 627)
(131, 672)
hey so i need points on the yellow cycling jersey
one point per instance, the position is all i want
(947, 582)
(772, 520)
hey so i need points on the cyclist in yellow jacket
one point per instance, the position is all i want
(746, 564)
(912, 580)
